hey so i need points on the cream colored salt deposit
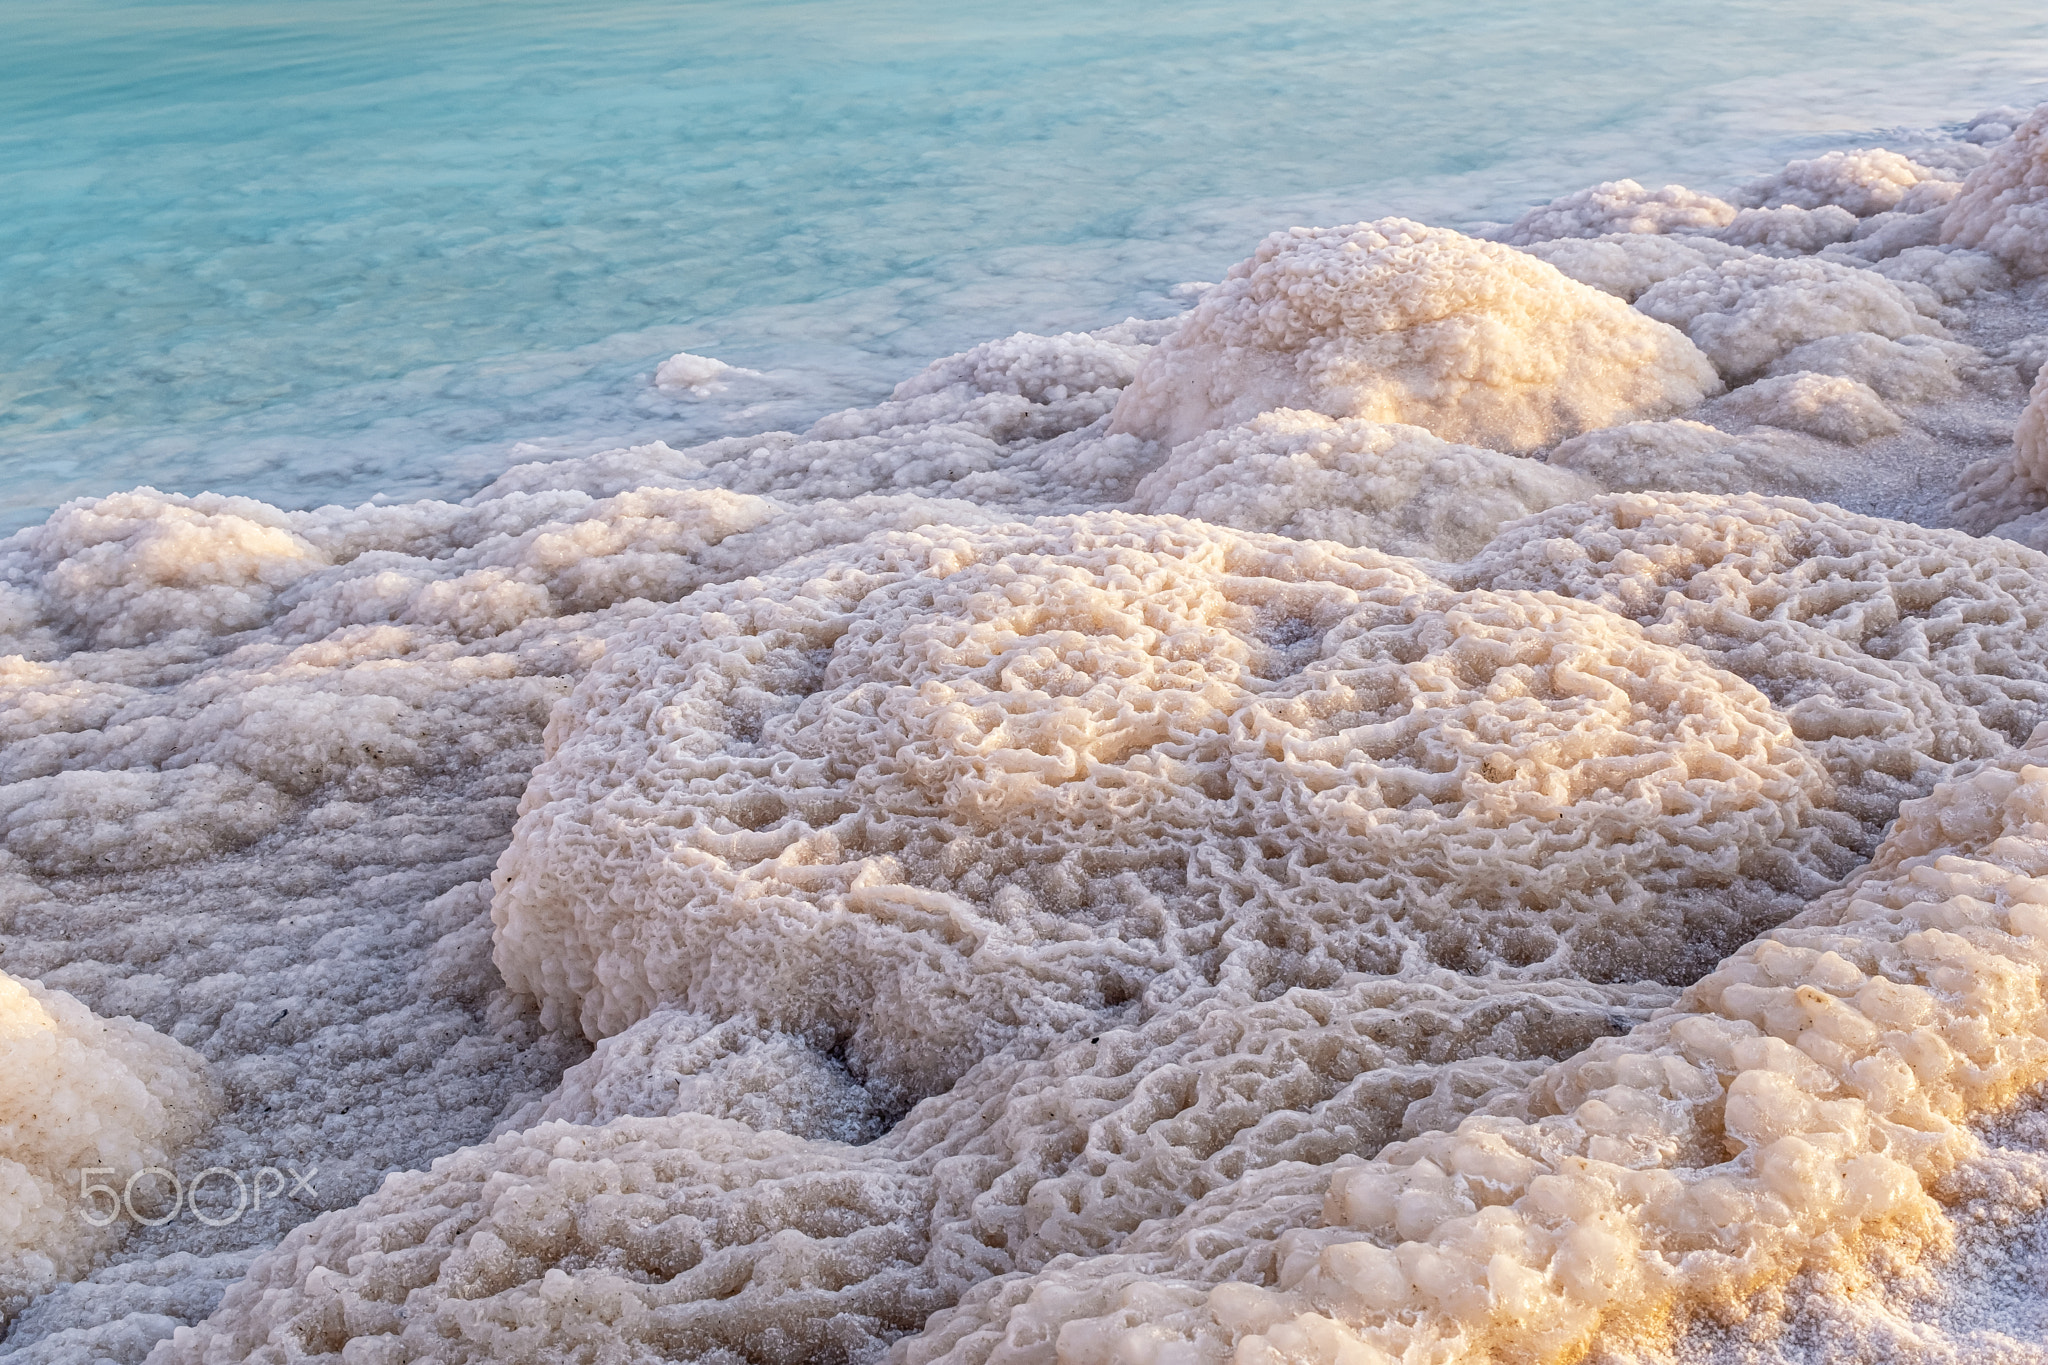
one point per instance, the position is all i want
(1625, 264)
(1620, 206)
(2003, 207)
(1389, 487)
(76, 1093)
(858, 796)
(1801, 1097)
(1747, 313)
(1395, 322)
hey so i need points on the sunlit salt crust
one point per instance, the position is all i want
(1464, 800)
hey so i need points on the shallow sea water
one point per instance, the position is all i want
(320, 252)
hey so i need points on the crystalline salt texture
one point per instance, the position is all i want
(1395, 322)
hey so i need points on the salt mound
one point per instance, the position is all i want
(1865, 182)
(2030, 438)
(1395, 322)
(2003, 207)
(1620, 206)
(698, 375)
(139, 566)
(2009, 493)
(1802, 1097)
(1625, 264)
(1830, 406)
(1389, 487)
(1913, 369)
(1641, 456)
(676, 1063)
(1895, 651)
(855, 798)
(1790, 228)
(1747, 313)
(78, 1091)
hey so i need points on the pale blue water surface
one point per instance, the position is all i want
(319, 250)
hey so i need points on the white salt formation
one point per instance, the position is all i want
(1643, 456)
(1395, 322)
(1625, 264)
(1747, 313)
(1803, 1095)
(2003, 206)
(1620, 206)
(1391, 487)
(1366, 822)
(79, 1092)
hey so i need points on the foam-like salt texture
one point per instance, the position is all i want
(1396, 322)
(1625, 264)
(1747, 313)
(1620, 206)
(1800, 1098)
(1389, 487)
(78, 1092)
(859, 796)
(984, 879)
(2003, 207)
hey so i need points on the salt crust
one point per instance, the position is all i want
(1395, 322)
(1747, 313)
(1800, 1098)
(689, 1235)
(1864, 182)
(1682, 454)
(1620, 206)
(78, 1091)
(1625, 264)
(860, 797)
(1385, 486)
(2003, 207)
(697, 1237)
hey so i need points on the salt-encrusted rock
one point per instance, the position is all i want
(1830, 406)
(2003, 207)
(1745, 314)
(1383, 486)
(1625, 264)
(1395, 322)
(78, 1092)
(1865, 183)
(1620, 206)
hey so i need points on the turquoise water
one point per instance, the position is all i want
(320, 251)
